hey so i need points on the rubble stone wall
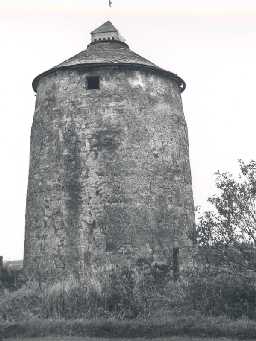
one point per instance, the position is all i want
(109, 172)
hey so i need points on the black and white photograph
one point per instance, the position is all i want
(128, 170)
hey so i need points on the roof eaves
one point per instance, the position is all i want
(180, 82)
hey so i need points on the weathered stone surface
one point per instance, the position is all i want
(109, 171)
(109, 176)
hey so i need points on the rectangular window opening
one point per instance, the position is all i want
(93, 82)
(176, 268)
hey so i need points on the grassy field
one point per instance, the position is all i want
(179, 329)
(174, 338)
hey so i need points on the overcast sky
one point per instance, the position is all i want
(211, 44)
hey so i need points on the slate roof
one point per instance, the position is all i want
(106, 53)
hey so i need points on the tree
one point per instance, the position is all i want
(230, 227)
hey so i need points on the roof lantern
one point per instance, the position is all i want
(107, 31)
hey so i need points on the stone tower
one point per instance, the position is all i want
(109, 174)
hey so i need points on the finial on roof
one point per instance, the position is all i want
(107, 31)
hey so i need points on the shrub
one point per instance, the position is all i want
(11, 279)
(21, 304)
(221, 292)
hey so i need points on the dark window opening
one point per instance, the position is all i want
(176, 269)
(93, 83)
(110, 245)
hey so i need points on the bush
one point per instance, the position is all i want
(11, 279)
(21, 304)
(221, 292)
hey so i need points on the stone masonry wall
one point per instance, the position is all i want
(109, 172)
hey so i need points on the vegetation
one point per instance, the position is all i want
(172, 338)
(193, 326)
(10, 279)
(225, 279)
(119, 292)
(226, 235)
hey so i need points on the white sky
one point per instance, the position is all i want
(210, 43)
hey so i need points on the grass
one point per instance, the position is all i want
(174, 338)
(190, 326)
(70, 310)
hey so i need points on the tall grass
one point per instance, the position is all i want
(129, 293)
(22, 304)
(102, 292)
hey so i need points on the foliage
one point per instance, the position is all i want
(224, 281)
(221, 292)
(11, 279)
(226, 235)
(233, 218)
(21, 304)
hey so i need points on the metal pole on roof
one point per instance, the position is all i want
(110, 3)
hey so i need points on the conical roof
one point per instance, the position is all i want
(108, 51)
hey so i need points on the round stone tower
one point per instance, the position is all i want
(109, 174)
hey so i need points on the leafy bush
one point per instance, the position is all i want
(221, 292)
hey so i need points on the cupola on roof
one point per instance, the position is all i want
(107, 31)
(107, 48)
(106, 27)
